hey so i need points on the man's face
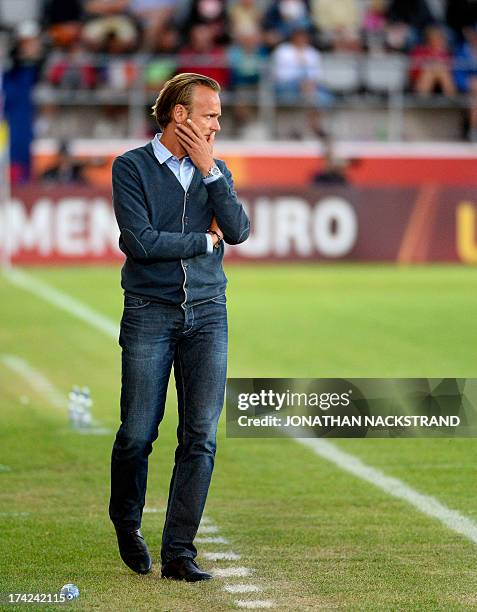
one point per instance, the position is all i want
(206, 110)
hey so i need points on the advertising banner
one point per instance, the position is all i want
(395, 224)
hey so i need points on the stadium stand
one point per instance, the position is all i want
(90, 68)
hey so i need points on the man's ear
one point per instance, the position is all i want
(180, 113)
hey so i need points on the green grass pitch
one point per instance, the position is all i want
(316, 537)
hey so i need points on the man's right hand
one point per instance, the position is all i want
(215, 228)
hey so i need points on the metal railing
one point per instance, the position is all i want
(136, 95)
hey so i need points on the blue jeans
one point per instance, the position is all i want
(154, 337)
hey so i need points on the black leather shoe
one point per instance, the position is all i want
(184, 568)
(133, 550)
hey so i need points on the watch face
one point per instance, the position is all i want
(215, 171)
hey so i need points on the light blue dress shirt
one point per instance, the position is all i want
(183, 171)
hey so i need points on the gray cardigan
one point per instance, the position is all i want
(162, 229)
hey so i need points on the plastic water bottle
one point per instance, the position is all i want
(73, 406)
(86, 405)
(80, 407)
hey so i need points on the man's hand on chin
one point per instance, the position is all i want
(199, 148)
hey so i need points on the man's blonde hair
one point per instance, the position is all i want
(179, 90)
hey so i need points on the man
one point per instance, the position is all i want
(175, 206)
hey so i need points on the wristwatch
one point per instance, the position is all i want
(217, 244)
(214, 172)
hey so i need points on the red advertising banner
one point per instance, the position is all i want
(293, 164)
(401, 224)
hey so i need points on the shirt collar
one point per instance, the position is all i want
(160, 151)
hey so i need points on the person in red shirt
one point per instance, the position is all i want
(203, 55)
(431, 65)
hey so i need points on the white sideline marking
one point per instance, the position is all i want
(242, 588)
(5, 468)
(42, 385)
(110, 329)
(211, 540)
(153, 510)
(228, 572)
(14, 514)
(207, 529)
(62, 300)
(205, 520)
(254, 604)
(36, 380)
(93, 431)
(426, 504)
(393, 486)
(221, 556)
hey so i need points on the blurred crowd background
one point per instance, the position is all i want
(289, 69)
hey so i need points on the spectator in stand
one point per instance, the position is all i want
(62, 21)
(414, 13)
(202, 55)
(109, 28)
(297, 74)
(212, 13)
(163, 65)
(375, 24)
(431, 64)
(461, 14)
(67, 170)
(296, 69)
(246, 56)
(155, 17)
(438, 8)
(72, 69)
(282, 18)
(21, 74)
(333, 171)
(465, 61)
(407, 19)
(338, 23)
(244, 18)
(465, 76)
